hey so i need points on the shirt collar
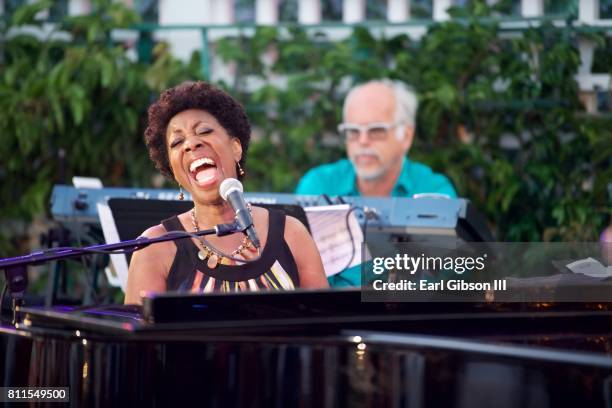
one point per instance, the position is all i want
(403, 185)
(347, 186)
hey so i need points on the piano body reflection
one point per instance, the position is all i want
(314, 349)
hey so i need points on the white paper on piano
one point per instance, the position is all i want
(117, 274)
(590, 267)
(328, 228)
(87, 182)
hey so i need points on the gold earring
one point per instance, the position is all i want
(181, 195)
(240, 170)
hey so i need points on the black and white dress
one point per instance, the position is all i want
(274, 270)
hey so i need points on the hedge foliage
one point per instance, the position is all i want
(499, 113)
(72, 102)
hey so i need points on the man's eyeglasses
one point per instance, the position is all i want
(375, 131)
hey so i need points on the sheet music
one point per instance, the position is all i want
(117, 273)
(329, 230)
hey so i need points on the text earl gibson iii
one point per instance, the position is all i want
(450, 284)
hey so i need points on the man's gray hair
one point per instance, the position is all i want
(406, 102)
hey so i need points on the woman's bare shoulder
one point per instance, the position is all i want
(165, 248)
(259, 212)
(305, 253)
(295, 227)
(154, 231)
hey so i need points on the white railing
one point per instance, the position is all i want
(221, 13)
(354, 11)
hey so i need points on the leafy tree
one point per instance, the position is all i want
(71, 103)
(500, 115)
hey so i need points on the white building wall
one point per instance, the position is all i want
(309, 11)
(588, 11)
(184, 12)
(532, 8)
(353, 11)
(398, 10)
(440, 9)
(223, 11)
(266, 12)
(78, 7)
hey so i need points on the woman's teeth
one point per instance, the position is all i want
(200, 162)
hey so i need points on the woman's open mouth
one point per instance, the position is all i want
(204, 171)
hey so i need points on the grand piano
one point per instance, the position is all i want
(314, 349)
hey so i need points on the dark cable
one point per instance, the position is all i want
(367, 214)
(353, 250)
(326, 198)
(364, 229)
(365, 224)
(348, 228)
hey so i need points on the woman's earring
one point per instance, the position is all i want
(181, 195)
(240, 170)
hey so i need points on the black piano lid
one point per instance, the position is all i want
(180, 311)
(562, 334)
(323, 312)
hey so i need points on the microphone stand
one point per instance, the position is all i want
(15, 269)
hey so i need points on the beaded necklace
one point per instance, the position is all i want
(212, 255)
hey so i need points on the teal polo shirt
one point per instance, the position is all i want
(339, 179)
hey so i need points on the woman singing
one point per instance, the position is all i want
(198, 135)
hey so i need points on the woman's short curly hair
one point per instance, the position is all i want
(193, 95)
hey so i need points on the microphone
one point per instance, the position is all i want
(231, 191)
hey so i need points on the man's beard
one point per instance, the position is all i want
(369, 174)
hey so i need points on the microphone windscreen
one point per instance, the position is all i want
(228, 185)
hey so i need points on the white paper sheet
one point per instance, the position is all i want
(329, 230)
(117, 272)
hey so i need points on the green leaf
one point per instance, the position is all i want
(26, 14)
